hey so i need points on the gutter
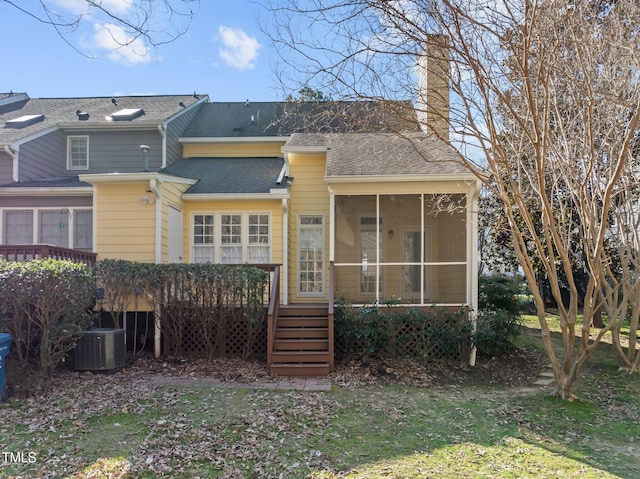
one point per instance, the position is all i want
(14, 157)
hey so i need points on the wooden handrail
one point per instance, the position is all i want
(272, 312)
(331, 317)
(28, 252)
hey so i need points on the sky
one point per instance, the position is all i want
(224, 54)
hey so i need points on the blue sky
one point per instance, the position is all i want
(224, 54)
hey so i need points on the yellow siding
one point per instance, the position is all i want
(125, 226)
(233, 150)
(274, 207)
(172, 196)
(309, 196)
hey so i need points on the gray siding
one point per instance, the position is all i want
(109, 152)
(45, 201)
(6, 168)
(43, 157)
(174, 131)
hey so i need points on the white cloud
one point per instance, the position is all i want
(240, 50)
(120, 47)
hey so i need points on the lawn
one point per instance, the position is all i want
(124, 425)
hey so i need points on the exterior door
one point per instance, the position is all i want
(175, 235)
(311, 255)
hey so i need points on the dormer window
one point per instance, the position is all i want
(78, 153)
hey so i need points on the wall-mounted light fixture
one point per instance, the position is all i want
(390, 233)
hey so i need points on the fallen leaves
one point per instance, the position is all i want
(123, 425)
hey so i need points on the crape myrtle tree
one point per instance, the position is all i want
(141, 24)
(544, 109)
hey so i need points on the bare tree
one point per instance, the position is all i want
(544, 107)
(146, 24)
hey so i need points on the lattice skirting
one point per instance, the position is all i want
(232, 336)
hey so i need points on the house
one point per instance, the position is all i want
(47, 143)
(349, 199)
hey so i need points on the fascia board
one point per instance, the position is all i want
(33, 136)
(143, 176)
(234, 139)
(466, 177)
(305, 149)
(273, 195)
(44, 191)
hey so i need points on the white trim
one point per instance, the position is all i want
(35, 226)
(423, 178)
(321, 227)
(305, 149)
(141, 176)
(70, 139)
(217, 233)
(46, 191)
(16, 144)
(233, 139)
(237, 196)
(284, 274)
(136, 124)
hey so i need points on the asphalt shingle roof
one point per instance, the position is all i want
(382, 154)
(246, 119)
(229, 175)
(57, 111)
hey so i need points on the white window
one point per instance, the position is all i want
(203, 248)
(54, 227)
(259, 250)
(83, 230)
(66, 227)
(18, 227)
(78, 153)
(232, 238)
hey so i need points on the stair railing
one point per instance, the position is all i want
(272, 313)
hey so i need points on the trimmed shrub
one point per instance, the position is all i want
(199, 304)
(45, 305)
(392, 331)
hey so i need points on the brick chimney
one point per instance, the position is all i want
(433, 87)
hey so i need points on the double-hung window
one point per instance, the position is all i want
(78, 152)
(232, 238)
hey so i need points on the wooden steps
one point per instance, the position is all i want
(301, 342)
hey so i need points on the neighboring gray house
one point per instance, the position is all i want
(45, 143)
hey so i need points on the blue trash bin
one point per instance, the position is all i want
(5, 345)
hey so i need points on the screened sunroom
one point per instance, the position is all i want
(408, 248)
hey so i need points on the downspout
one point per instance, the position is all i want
(153, 186)
(163, 133)
(14, 157)
(472, 299)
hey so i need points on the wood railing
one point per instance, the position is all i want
(330, 315)
(29, 252)
(272, 313)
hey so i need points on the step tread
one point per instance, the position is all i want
(299, 356)
(300, 370)
(315, 345)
